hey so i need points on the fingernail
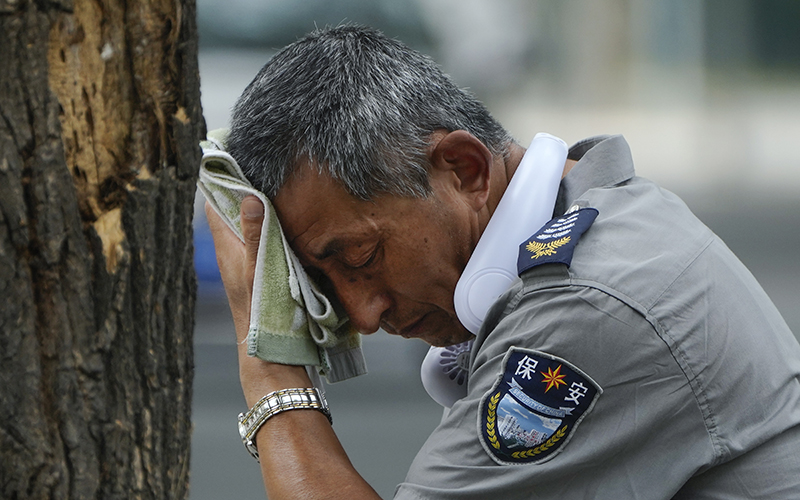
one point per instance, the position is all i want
(252, 208)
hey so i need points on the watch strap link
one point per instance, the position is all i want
(276, 402)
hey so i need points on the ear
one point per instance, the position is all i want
(464, 161)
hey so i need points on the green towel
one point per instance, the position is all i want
(291, 320)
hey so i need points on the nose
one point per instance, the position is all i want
(365, 303)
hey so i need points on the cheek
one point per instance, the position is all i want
(426, 253)
(426, 271)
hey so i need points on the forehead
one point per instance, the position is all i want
(316, 212)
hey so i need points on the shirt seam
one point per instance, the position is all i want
(708, 413)
(697, 388)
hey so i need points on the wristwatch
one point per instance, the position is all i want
(277, 402)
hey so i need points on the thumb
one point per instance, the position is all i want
(251, 219)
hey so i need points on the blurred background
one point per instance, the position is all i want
(707, 93)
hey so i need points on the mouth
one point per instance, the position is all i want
(413, 330)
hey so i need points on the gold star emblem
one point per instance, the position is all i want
(553, 378)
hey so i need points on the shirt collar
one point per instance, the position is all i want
(603, 161)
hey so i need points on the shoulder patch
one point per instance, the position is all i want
(534, 408)
(556, 240)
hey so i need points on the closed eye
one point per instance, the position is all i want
(371, 258)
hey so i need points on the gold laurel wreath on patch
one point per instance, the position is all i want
(490, 420)
(542, 249)
(542, 447)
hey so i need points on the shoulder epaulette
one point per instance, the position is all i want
(555, 241)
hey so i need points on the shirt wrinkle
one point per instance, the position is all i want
(658, 266)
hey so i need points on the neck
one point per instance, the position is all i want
(502, 172)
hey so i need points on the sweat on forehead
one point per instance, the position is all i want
(358, 106)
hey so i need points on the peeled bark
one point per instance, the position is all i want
(99, 124)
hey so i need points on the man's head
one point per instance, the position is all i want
(379, 169)
(356, 105)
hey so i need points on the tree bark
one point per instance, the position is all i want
(99, 124)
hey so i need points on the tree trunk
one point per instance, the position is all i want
(99, 123)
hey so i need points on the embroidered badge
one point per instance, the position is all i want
(533, 410)
(556, 240)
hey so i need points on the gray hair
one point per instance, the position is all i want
(357, 105)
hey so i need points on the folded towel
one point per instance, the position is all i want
(291, 320)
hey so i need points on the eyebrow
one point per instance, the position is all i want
(334, 246)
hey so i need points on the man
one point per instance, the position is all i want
(635, 358)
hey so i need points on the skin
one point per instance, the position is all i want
(393, 263)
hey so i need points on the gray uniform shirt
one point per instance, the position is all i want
(696, 375)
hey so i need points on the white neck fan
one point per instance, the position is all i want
(525, 207)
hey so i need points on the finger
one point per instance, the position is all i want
(220, 232)
(212, 218)
(235, 277)
(252, 218)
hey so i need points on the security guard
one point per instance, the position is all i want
(636, 358)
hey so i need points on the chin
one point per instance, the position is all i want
(448, 338)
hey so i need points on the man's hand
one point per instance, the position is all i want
(300, 454)
(237, 266)
(237, 260)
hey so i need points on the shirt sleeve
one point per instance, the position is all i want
(643, 437)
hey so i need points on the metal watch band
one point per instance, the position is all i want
(274, 403)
